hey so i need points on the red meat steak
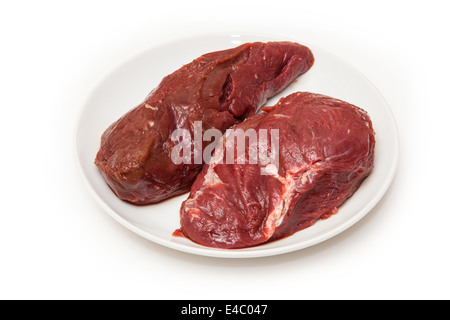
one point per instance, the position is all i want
(219, 89)
(326, 150)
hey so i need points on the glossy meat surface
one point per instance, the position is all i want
(219, 89)
(326, 150)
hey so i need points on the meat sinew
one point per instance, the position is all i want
(326, 149)
(219, 89)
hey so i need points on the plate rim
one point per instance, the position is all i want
(236, 253)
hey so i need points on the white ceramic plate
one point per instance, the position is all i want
(129, 84)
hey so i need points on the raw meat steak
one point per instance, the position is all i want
(219, 89)
(326, 150)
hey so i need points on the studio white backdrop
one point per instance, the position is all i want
(57, 243)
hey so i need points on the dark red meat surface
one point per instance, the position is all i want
(219, 89)
(326, 150)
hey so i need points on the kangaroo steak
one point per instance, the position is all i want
(326, 149)
(219, 89)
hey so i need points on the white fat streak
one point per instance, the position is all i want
(278, 115)
(270, 170)
(305, 178)
(276, 216)
(148, 106)
(190, 207)
(211, 177)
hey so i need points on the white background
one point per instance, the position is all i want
(56, 242)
